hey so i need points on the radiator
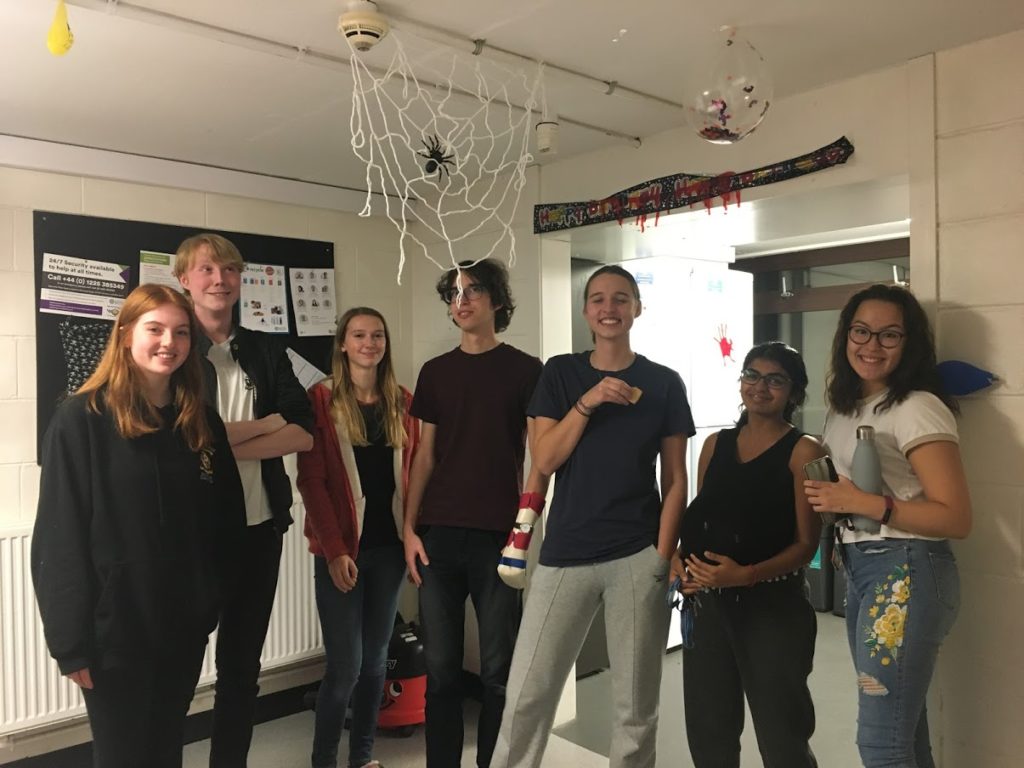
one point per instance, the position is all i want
(32, 691)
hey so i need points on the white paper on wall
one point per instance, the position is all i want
(313, 301)
(263, 302)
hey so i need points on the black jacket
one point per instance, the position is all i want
(121, 572)
(265, 361)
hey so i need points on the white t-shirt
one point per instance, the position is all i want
(921, 418)
(236, 398)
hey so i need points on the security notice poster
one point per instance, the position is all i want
(82, 287)
(158, 268)
(264, 298)
(313, 301)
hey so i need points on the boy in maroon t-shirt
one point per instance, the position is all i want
(464, 486)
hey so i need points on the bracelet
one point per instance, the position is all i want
(889, 504)
(582, 409)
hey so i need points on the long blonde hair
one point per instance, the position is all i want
(116, 384)
(344, 405)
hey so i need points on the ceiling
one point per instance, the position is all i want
(141, 80)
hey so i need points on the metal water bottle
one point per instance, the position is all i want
(866, 474)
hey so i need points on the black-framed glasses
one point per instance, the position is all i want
(469, 293)
(888, 338)
(773, 380)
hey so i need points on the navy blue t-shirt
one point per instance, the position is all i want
(607, 503)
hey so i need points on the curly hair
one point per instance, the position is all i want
(493, 276)
(792, 363)
(917, 369)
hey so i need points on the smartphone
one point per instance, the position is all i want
(821, 469)
(824, 469)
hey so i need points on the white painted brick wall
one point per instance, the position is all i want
(366, 264)
(980, 182)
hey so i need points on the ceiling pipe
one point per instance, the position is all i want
(478, 45)
(296, 52)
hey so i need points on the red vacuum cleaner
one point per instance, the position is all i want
(404, 698)
(405, 689)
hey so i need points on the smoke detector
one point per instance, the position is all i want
(362, 25)
(547, 136)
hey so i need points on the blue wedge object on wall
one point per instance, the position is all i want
(960, 378)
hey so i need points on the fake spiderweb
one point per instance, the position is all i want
(445, 139)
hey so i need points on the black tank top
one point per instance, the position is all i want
(744, 509)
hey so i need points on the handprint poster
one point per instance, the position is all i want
(721, 323)
(697, 319)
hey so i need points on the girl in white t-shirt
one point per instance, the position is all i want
(903, 590)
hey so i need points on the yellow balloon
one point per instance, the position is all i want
(59, 39)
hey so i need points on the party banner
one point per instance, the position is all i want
(681, 190)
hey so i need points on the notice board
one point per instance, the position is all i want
(85, 264)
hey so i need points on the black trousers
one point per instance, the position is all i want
(757, 641)
(243, 628)
(137, 712)
(464, 562)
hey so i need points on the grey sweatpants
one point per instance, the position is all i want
(560, 607)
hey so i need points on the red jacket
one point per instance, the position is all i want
(329, 481)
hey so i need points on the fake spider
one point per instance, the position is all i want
(437, 160)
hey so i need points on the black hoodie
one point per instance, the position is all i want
(133, 538)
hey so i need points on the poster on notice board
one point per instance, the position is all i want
(263, 302)
(82, 287)
(313, 301)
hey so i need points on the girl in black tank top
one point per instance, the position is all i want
(744, 541)
(744, 508)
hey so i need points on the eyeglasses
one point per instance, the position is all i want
(469, 293)
(861, 335)
(773, 380)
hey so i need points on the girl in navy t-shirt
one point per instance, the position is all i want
(602, 419)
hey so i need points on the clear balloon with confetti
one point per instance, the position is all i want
(735, 96)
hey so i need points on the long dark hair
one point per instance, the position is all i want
(917, 369)
(792, 363)
(493, 276)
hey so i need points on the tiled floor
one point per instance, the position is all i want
(285, 743)
(583, 743)
(833, 688)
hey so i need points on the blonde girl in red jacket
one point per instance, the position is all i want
(353, 484)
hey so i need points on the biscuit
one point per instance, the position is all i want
(634, 394)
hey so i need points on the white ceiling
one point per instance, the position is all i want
(142, 83)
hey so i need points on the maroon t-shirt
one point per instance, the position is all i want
(478, 406)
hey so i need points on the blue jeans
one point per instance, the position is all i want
(464, 562)
(902, 598)
(357, 627)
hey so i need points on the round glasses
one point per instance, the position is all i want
(861, 335)
(773, 380)
(469, 293)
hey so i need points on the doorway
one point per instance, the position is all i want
(798, 297)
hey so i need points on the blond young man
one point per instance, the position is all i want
(250, 381)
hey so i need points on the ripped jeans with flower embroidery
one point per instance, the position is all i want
(902, 598)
